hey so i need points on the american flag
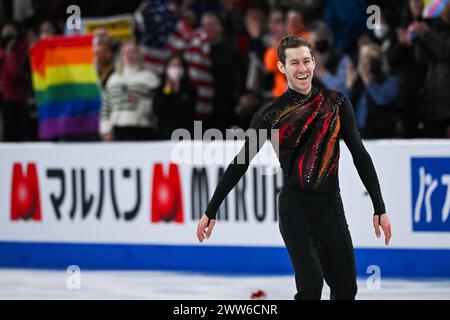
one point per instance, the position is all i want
(197, 55)
(164, 33)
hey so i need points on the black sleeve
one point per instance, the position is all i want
(361, 158)
(237, 168)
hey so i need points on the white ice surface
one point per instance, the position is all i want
(150, 285)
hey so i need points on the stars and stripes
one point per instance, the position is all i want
(158, 23)
(197, 55)
(165, 33)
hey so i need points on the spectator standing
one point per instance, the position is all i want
(276, 27)
(127, 111)
(175, 99)
(433, 50)
(225, 71)
(374, 93)
(14, 84)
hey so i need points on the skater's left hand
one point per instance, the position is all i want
(382, 220)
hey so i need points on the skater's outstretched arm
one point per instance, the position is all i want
(366, 170)
(234, 172)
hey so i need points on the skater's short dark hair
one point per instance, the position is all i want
(291, 41)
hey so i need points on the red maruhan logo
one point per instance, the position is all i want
(167, 201)
(25, 195)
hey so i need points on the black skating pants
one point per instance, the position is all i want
(317, 238)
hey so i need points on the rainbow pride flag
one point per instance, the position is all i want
(66, 86)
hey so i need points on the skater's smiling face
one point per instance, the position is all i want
(298, 68)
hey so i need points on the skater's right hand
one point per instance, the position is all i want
(205, 227)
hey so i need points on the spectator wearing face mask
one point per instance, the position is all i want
(332, 65)
(383, 32)
(175, 99)
(374, 92)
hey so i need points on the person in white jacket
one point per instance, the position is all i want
(127, 111)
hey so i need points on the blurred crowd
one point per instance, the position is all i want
(216, 61)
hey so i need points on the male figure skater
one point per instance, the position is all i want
(311, 215)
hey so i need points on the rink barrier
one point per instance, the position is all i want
(132, 206)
